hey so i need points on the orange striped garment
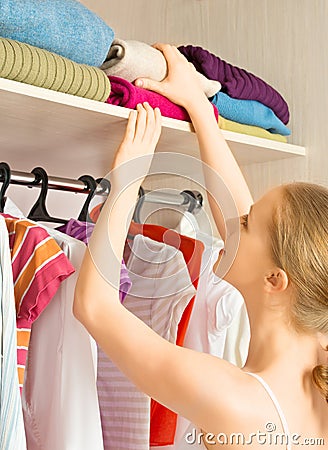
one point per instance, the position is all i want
(39, 266)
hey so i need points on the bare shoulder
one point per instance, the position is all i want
(219, 394)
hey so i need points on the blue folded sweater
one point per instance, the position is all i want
(65, 27)
(249, 112)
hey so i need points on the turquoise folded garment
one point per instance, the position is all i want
(65, 27)
(249, 112)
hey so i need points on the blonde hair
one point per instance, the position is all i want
(299, 236)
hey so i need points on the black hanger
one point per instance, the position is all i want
(91, 184)
(39, 210)
(5, 174)
(106, 186)
(140, 202)
(194, 200)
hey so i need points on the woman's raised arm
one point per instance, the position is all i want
(197, 386)
(182, 86)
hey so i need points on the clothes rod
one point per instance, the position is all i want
(184, 198)
(56, 183)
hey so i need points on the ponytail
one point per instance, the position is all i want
(320, 378)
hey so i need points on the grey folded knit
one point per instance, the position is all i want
(134, 59)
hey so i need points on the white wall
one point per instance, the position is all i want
(282, 41)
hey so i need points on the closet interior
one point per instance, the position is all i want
(69, 395)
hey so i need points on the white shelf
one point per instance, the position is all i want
(70, 136)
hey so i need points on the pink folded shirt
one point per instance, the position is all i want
(124, 93)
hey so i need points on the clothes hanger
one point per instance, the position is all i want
(39, 210)
(96, 210)
(91, 184)
(140, 202)
(195, 200)
(136, 216)
(5, 173)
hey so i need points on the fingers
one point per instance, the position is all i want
(148, 125)
(151, 85)
(131, 126)
(150, 122)
(171, 53)
(153, 128)
(173, 57)
(141, 123)
(158, 126)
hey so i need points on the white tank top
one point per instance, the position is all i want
(277, 406)
(183, 445)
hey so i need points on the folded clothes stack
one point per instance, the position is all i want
(63, 46)
(56, 45)
(244, 98)
(65, 27)
(124, 93)
(38, 67)
(135, 59)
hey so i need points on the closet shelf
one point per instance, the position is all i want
(70, 135)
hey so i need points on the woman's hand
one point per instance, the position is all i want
(105, 251)
(181, 85)
(141, 135)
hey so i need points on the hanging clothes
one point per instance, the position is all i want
(192, 251)
(161, 289)
(163, 421)
(82, 231)
(12, 435)
(218, 305)
(218, 324)
(60, 402)
(39, 267)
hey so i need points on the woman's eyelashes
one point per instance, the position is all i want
(244, 220)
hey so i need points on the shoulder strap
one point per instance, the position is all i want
(277, 406)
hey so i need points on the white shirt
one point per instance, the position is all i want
(60, 401)
(12, 435)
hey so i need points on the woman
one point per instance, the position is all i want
(280, 268)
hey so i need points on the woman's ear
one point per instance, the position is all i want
(323, 341)
(276, 281)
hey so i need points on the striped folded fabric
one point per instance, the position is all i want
(33, 65)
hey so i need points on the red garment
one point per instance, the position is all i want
(163, 420)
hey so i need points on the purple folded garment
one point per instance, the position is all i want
(82, 231)
(236, 82)
(124, 93)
